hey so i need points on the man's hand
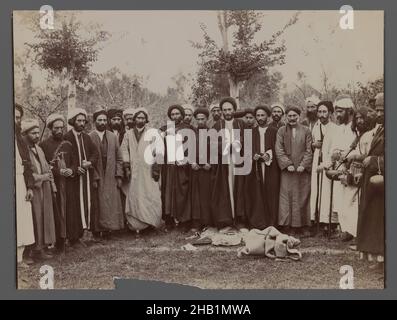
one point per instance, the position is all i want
(266, 157)
(86, 164)
(317, 145)
(95, 184)
(48, 176)
(320, 168)
(119, 182)
(207, 167)
(300, 169)
(257, 157)
(291, 168)
(195, 166)
(66, 172)
(81, 171)
(29, 195)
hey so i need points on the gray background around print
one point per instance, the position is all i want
(135, 289)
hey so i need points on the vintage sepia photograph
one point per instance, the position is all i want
(223, 149)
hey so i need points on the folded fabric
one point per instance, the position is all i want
(271, 243)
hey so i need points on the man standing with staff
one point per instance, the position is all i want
(320, 186)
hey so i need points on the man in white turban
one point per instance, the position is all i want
(336, 145)
(55, 149)
(188, 114)
(42, 203)
(311, 112)
(277, 112)
(128, 115)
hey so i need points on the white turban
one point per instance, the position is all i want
(74, 112)
(277, 105)
(188, 107)
(54, 117)
(129, 111)
(141, 109)
(313, 99)
(29, 124)
(214, 105)
(344, 103)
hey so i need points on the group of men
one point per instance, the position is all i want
(304, 174)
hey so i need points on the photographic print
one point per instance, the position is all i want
(223, 149)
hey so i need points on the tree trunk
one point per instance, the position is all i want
(234, 90)
(71, 94)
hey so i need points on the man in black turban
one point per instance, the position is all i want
(116, 124)
(175, 182)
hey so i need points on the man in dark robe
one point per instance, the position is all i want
(249, 118)
(201, 175)
(107, 212)
(278, 111)
(262, 185)
(227, 185)
(54, 150)
(371, 218)
(115, 122)
(82, 159)
(294, 156)
(175, 174)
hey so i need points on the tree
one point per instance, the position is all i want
(67, 53)
(243, 57)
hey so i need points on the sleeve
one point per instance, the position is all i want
(308, 155)
(119, 159)
(282, 158)
(124, 151)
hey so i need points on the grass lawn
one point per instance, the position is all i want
(157, 256)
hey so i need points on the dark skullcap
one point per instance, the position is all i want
(230, 100)
(97, 113)
(292, 108)
(328, 104)
(249, 110)
(363, 111)
(176, 106)
(115, 113)
(19, 108)
(264, 108)
(201, 110)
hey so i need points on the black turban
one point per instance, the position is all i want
(230, 100)
(201, 110)
(293, 108)
(96, 114)
(264, 108)
(115, 113)
(328, 104)
(176, 106)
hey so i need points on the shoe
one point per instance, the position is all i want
(346, 236)
(353, 247)
(28, 260)
(42, 255)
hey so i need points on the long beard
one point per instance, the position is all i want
(311, 115)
